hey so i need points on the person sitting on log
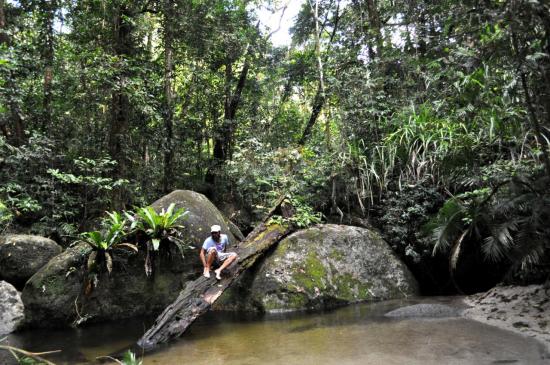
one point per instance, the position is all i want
(213, 251)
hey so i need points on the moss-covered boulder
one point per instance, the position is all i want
(54, 296)
(322, 267)
(22, 255)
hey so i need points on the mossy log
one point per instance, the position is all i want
(199, 295)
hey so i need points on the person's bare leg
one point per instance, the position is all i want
(225, 264)
(209, 261)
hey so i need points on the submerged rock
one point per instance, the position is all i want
(322, 267)
(11, 308)
(21, 256)
(54, 296)
(425, 310)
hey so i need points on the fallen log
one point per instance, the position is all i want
(198, 296)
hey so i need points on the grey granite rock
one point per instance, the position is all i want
(425, 310)
(322, 267)
(11, 308)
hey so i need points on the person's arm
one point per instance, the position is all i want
(226, 243)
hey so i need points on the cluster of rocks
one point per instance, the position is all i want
(21, 256)
(320, 267)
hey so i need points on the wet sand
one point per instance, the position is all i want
(522, 309)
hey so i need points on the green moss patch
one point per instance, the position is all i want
(312, 274)
(351, 289)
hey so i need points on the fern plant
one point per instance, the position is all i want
(5, 217)
(304, 216)
(158, 227)
(103, 243)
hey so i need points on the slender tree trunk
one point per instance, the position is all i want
(4, 38)
(120, 104)
(375, 26)
(315, 10)
(539, 135)
(234, 105)
(15, 135)
(318, 103)
(149, 42)
(48, 8)
(545, 67)
(535, 123)
(224, 135)
(320, 97)
(168, 94)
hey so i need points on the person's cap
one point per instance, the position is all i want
(215, 228)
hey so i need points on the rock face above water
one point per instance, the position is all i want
(11, 308)
(322, 267)
(426, 310)
(21, 256)
(54, 295)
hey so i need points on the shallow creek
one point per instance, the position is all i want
(357, 334)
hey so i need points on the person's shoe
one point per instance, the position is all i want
(206, 273)
(218, 274)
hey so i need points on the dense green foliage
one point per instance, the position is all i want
(128, 231)
(382, 110)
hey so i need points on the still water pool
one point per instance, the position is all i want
(358, 334)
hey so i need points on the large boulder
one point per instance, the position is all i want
(23, 255)
(322, 267)
(54, 296)
(11, 308)
(202, 215)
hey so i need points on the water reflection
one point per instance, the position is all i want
(351, 335)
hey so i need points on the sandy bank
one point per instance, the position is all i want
(522, 309)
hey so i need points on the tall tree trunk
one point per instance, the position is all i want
(48, 9)
(15, 135)
(224, 135)
(4, 38)
(234, 104)
(120, 104)
(168, 94)
(375, 27)
(320, 97)
(535, 123)
(318, 103)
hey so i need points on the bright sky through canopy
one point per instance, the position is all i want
(271, 18)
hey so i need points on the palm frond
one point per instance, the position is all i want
(492, 249)
(448, 227)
